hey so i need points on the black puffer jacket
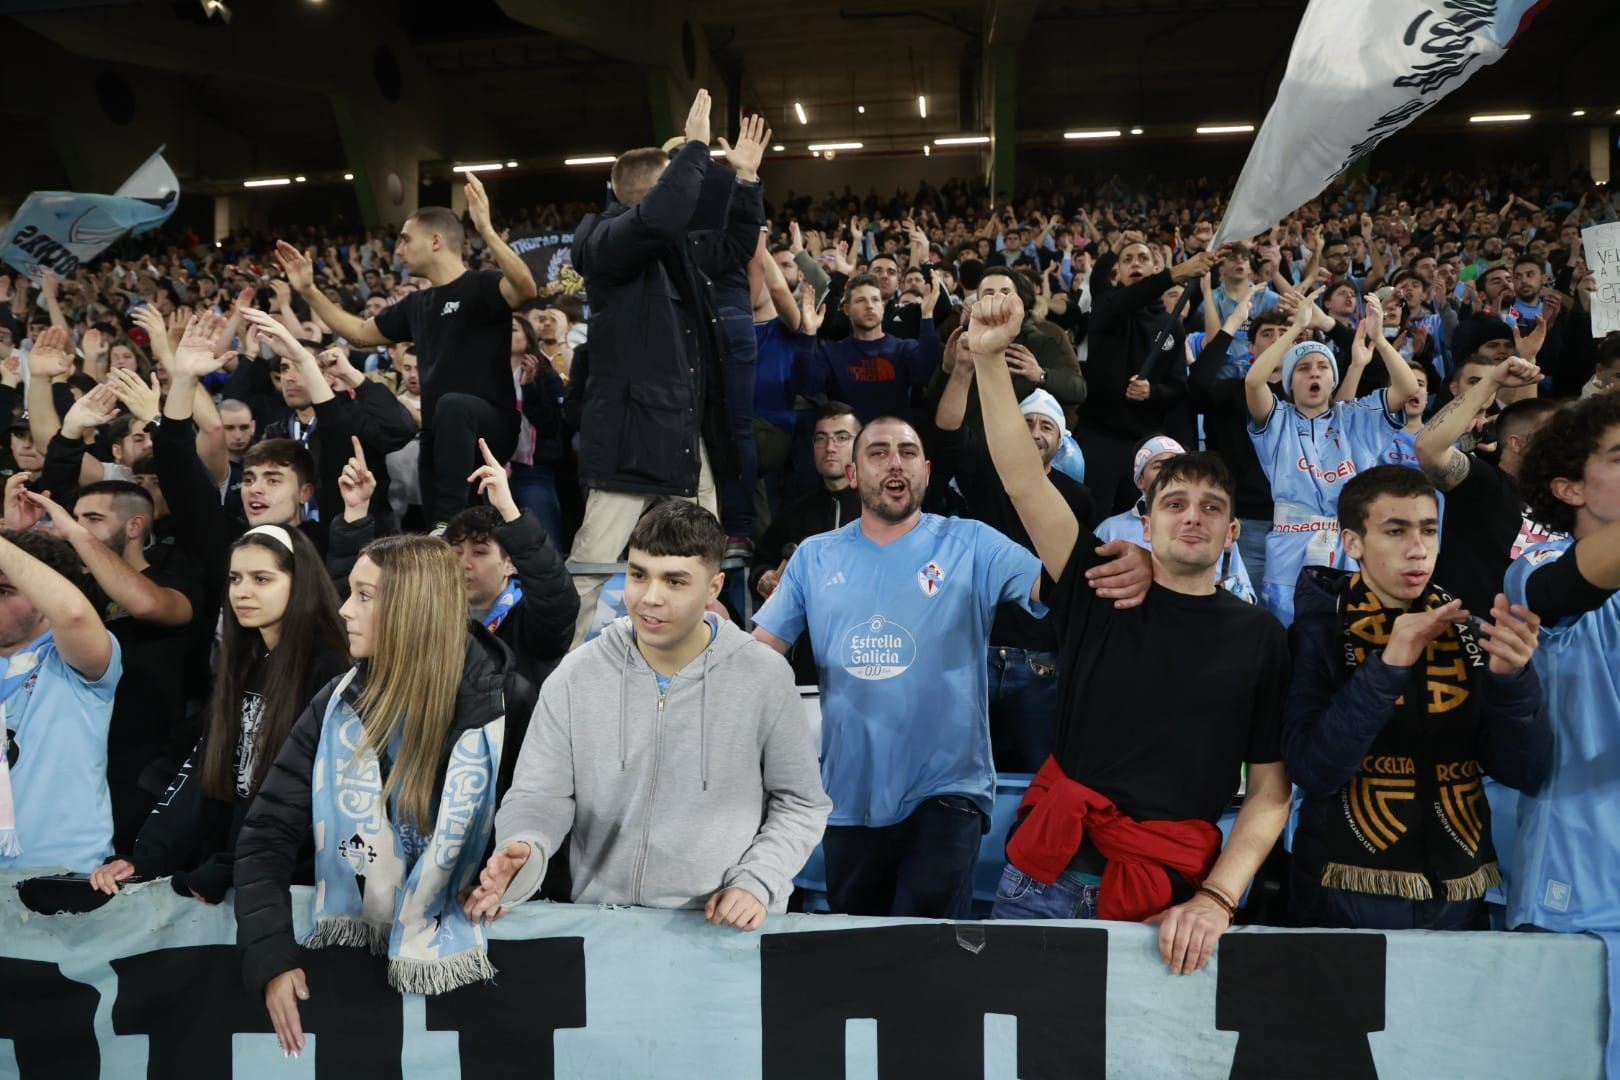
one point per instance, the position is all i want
(280, 820)
(655, 388)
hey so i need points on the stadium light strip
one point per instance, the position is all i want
(836, 146)
(488, 166)
(922, 105)
(798, 110)
(279, 181)
(597, 159)
(1110, 134)
(1498, 118)
(1225, 129)
(962, 140)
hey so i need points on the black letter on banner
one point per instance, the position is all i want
(50, 1020)
(189, 1002)
(1302, 1004)
(929, 988)
(506, 1027)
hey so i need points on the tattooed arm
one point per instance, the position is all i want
(1437, 453)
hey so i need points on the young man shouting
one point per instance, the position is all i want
(1120, 823)
(1397, 710)
(673, 747)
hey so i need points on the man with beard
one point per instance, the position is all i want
(874, 371)
(899, 606)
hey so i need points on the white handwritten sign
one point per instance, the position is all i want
(1602, 246)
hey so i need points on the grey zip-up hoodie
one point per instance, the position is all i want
(669, 797)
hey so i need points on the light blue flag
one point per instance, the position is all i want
(59, 230)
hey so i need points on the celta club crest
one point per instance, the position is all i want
(930, 579)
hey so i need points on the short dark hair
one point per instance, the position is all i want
(120, 427)
(1406, 275)
(56, 554)
(681, 529)
(1521, 415)
(885, 255)
(868, 425)
(834, 409)
(1200, 465)
(121, 490)
(860, 280)
(284, 452)
(475, 525)
(438, 219)
(1528, 260)
(969, 273)
(1560, 451)
(1020, 284)
(1608, 350)
(634, 168)
(1363, 489)
(1273, 317)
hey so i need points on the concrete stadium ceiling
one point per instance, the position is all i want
(301, 85)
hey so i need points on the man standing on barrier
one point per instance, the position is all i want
(899, 606)
(1120, 823)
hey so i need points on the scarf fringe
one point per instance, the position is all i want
(342, 930)
(440, 976)
(10, 846)
(1475, 885)
(1361, 879)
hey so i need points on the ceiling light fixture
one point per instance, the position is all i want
(1225, 129)
(1136, 131)
(835, 146)
(595, 159)
(928, 151)
(922, 106)
(1578, 112)
(511, 164)
(487, 166)
(861, 109)
(348, 176)
(299, 179)
(1109, 133)
(798, 110)
(778, 148)
(1498, 118)
(962, 140)
(278, 181)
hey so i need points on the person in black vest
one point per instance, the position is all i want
(653, 419)
(461, 328)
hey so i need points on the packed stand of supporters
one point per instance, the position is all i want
(369, 561)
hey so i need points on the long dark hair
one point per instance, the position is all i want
(311, 623)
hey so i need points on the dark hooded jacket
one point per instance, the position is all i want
(279, 822)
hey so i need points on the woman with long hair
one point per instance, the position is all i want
(396, 768)
(281, 641)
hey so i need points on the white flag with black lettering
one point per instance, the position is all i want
(1359, 71)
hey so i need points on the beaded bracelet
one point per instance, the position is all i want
(1225, 904)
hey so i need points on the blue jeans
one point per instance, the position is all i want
(1252, 546)
(1019, 896)
(534, 488)
(1023, 707)
(738, 369)
(922, 866)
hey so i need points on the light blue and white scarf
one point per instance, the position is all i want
(20, 667)
(503, 603)
(386, 887)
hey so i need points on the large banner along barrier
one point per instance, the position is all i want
(149, 986)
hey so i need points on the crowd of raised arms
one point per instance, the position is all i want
(367, 561)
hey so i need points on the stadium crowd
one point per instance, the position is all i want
(367, 560)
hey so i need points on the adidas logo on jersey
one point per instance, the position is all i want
(836, 579)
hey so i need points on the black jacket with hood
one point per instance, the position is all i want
(1330, 719)
(654, 390)
(279, 822)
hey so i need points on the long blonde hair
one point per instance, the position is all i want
(416, 663)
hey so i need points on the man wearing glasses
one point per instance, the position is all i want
(836, 504)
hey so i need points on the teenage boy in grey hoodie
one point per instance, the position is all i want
(673, 746)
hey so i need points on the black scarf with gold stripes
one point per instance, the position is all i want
(1415, 823)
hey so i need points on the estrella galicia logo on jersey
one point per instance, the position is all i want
(877, 649)
(930, 579)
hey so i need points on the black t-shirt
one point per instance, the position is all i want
(149, 705)
(1480, 522)
(1159, 705)
(463, 336)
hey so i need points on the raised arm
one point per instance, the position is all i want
(1052, 526)
(1402, 379)
(1257, 383)
(517, 280)
(353, 329)
(1437, 452)
(782, 298)
(138, 594)
(1361, 350)
(953, 400)
(80, 636)
(49, 361)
